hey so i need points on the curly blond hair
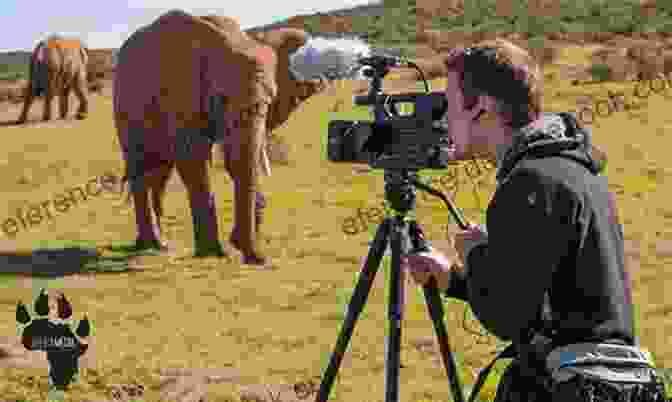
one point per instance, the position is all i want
(506, 72)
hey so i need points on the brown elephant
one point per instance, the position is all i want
(185, 82)
(57, 66)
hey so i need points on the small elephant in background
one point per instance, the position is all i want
(58, 65)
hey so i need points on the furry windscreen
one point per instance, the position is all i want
(332, 58)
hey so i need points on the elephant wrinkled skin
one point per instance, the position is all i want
(185, 82)
(57, 66)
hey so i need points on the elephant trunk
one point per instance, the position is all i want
(249, 202)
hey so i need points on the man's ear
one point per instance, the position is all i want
(486, 103)
(478, 107)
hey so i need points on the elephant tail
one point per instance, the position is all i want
(38, 73)
(127, 179)
(123, 188)
(84, 53)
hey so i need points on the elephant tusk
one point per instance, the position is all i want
(265, 164)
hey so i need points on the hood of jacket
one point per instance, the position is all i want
(553, 134)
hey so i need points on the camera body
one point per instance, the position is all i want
(415, 141)
(396, 141)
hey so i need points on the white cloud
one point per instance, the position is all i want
(107, 39)
(108, 24)
(248, 15)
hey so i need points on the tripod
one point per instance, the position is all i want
(398, 231)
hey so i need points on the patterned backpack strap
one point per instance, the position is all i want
(596, 155)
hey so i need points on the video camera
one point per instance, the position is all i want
(395, 141)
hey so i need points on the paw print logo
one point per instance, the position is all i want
(55, 336)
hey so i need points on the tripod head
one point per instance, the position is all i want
(400, 192)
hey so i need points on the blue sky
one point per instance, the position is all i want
(107, 23)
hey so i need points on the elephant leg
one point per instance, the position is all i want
(157, 186)
(148, 233)
(243, 166)
(194, 175)
(48, 97)
(80, 88)
(139, 183)
(28, 99)
(64, 104)
(259, 205)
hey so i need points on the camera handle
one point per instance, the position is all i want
(378, 68)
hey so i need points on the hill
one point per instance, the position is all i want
(640, 30)
(442, 24)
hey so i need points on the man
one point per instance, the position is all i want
(549, 273)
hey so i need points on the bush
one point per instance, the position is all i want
(12, 76)
(600, 72)
(541, 50)
(498, 27)
(13, 72)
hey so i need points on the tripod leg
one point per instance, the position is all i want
(395, 311)
(357, 302)
(435, 308)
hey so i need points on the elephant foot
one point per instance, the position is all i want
(255, 259)
(81, 115)
(152, 244)
(213, 250)
(233, 239)
(249, 257)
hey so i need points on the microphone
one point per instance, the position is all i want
(385, 61)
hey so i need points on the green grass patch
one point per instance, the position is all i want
(13, 72)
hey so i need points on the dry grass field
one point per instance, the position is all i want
(258, 329)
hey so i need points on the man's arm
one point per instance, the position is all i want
(530, 225)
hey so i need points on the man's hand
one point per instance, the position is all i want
(423, 266)
(467, 239)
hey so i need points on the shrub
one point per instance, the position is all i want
(600, 72)
(541, 50)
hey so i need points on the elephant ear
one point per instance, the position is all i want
(284, 40)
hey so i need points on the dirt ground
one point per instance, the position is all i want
(216, 329)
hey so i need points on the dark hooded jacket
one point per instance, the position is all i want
(552, 230)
